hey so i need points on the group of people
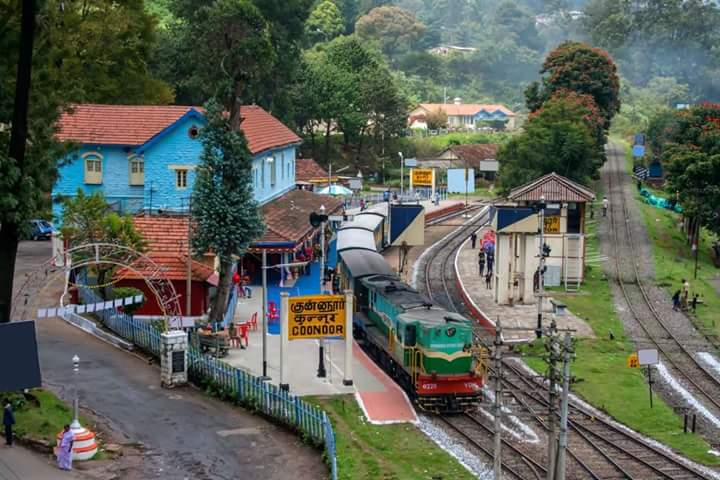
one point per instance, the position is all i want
(64, 451)
(486, 261)
(681, 298)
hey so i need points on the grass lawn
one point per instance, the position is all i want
(603, 378)
(387, 452)
(42, 416)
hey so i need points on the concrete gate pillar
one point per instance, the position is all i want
(173, 358)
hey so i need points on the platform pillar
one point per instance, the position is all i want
(348, 378)
(173, 358)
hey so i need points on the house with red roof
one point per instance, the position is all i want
(463, 115)
(143, 158)
(166, 238)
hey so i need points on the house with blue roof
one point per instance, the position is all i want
(143, 158)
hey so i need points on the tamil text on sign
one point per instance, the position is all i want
(422, 177)
(316, 316)
(552, 224)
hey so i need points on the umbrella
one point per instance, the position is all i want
(335, 190)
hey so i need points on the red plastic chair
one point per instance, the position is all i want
(253, 322)
(243, 329)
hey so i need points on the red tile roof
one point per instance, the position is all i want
(475, 153)
(554, 187)
(467, 109)
(167, 245)
(287, 219)
(138, 124)
(307, 169)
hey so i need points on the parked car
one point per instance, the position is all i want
(40, 229)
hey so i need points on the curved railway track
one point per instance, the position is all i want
(702, 383)
(597, 449)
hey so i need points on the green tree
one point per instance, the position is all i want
(224, 209)
(583, 69)
(555, 139)
(88, 219)
(437, 119)
(394, 29)
(265, 35)
(125, 292)
(325, 22)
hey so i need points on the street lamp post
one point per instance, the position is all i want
(402, 174)
(541, 267)
(321, 372)
(76, 402)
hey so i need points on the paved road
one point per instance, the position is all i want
(188, 434)
(17, 463)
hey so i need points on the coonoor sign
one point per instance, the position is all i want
(316, 316)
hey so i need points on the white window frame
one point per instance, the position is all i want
(137, 163)
(93, 168)
(181, 178)
(273, 170)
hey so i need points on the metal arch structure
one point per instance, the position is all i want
(102, 254)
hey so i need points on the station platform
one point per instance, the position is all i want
(520, 320)
(379, 397)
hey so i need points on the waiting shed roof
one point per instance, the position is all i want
(555, 188)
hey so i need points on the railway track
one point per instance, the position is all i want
(597, 449)
(438, 276)
(515, 462)
(677, 352)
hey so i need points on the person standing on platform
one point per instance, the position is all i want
(65, 449)
(488, 280)
(481, 263)
(685, 293)
(8, 422)
(473, 239)
(605, 205)
(490, 260)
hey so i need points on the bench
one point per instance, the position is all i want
(215, 344)
(558, 307)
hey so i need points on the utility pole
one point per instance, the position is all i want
(264, 316)
(554, 350)
(497, 357)
(541, 267)
(188, 273)
(562, 443)
(321, 372)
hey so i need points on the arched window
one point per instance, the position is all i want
(137, 169)
(93, 168)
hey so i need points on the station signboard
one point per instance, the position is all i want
(552, 224)
(422, 177)
(316, 316)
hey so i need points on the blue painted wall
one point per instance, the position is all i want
(173, 148)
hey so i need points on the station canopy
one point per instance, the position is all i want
(361, 263)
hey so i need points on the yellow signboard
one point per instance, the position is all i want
(552, 224)
(422, 177)
(632, 361)
(316, 316)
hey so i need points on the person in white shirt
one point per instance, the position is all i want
(605, 204)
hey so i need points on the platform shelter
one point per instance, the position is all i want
(564, 224)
